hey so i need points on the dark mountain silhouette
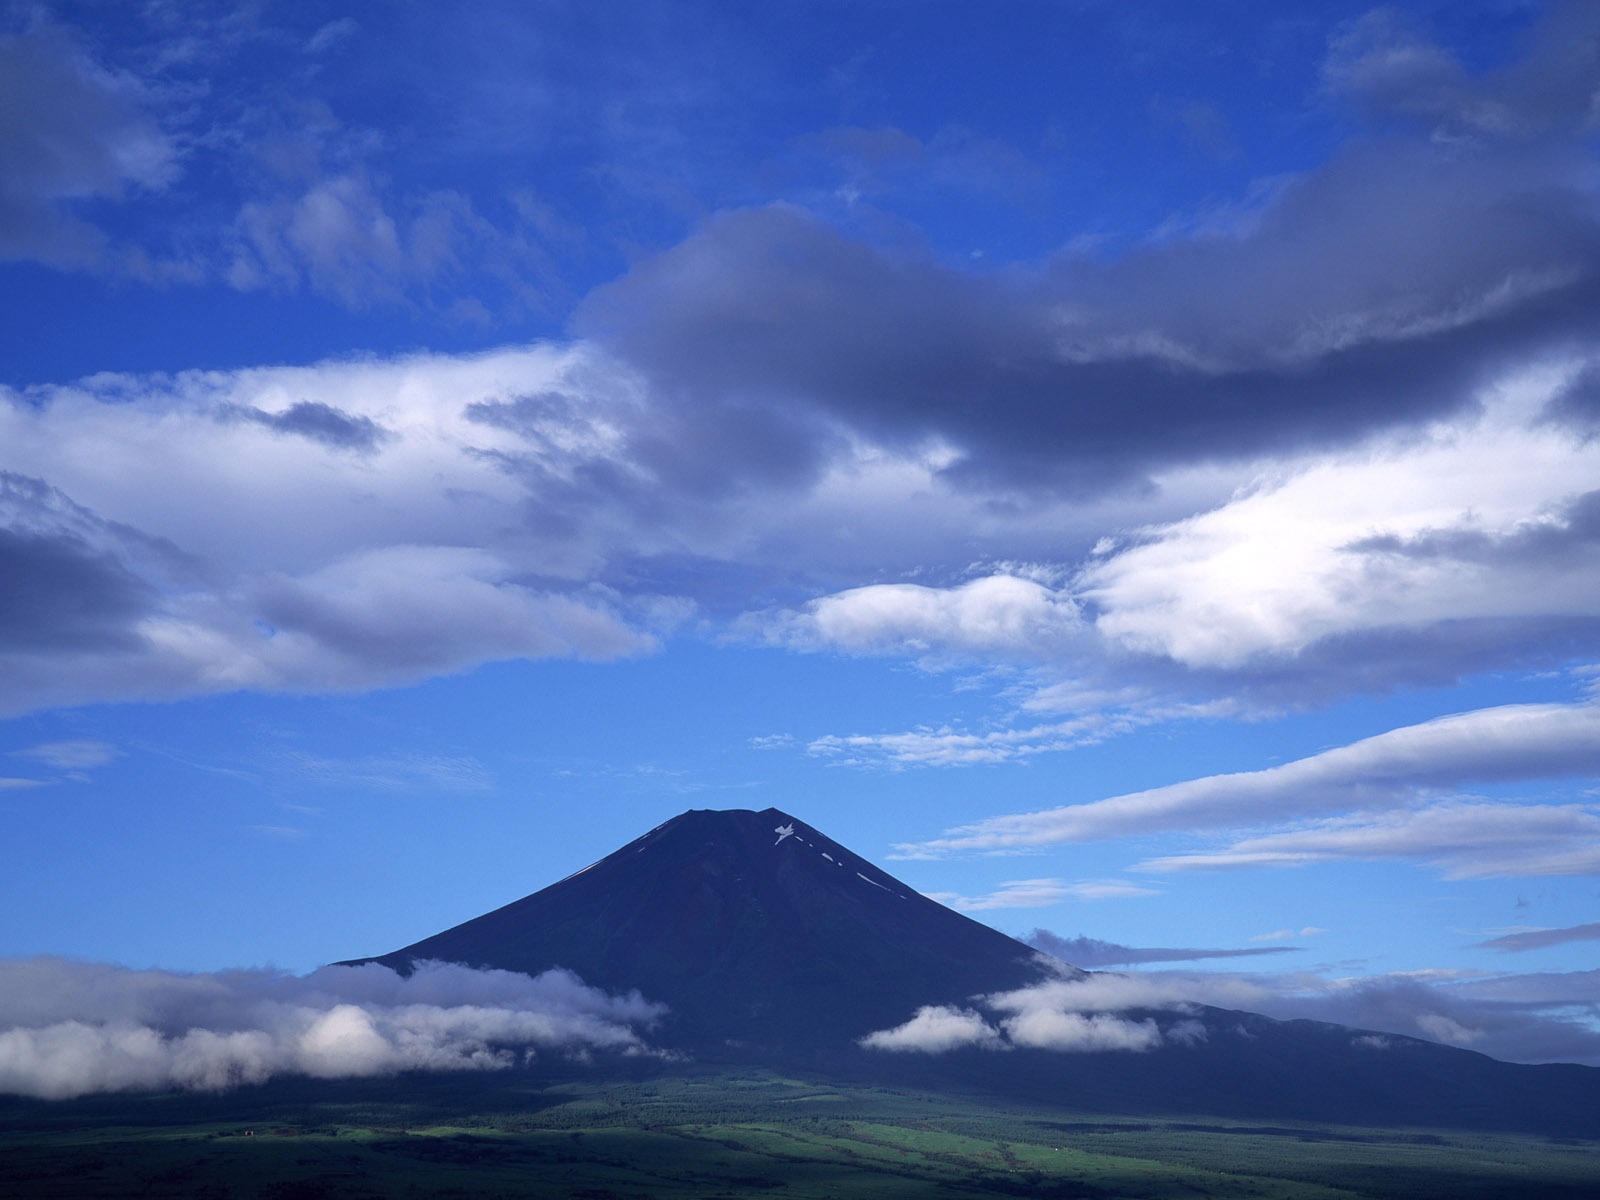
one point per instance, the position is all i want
(774, 945)
(753, 937)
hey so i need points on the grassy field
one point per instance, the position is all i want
(722, 1135)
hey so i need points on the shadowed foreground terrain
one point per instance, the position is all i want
(695, 1133)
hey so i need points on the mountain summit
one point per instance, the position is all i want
(754, 928)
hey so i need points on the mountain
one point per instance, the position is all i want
(754, 928)
(773, 945)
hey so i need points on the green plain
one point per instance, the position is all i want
(706, 1134)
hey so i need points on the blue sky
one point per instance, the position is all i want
(1131, 470)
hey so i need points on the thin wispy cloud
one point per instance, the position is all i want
(80, 755)
(1539, 939)
(401, 772)
(1042, 893)
(1498, 745)
(1463, 839)
(1090, 952)
(1279, 935)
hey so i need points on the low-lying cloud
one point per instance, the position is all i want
(1071, 1016)
(71, 1029)
(1531, 1018)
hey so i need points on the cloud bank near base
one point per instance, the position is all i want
(1533, 1017)
(1530, 1018)
(1072, 1016)
(72, 1029)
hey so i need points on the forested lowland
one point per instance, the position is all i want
(562, 1132)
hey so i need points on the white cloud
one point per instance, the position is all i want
(346, 525)
(1508, 743)
(364, 522)
(341, 238)
(1364, 541)
(1467, 840)
(1043, 1028)
(936, 1029)
(1450, 549)
(947, 746)
(70, 1029)
(1001, 614)
(1075, 1016)
(1095, 993)
(1041, 893)
(1517, 1018)
(75, 755)
(1098, 716)
(1279, 935)
(434, 773)
(331, 35)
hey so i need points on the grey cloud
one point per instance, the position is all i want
(1386, 62)
(1538, 1026)
(98, 609)
(1092, 952)
(1578, 404)
(1572, 529)
(70, 1029)
(69, 586)
(68, 130)
(1539, 939)
(320, 423)
(408, 613)
(692, 451)
(1379, 660)
(319, 571)
(61, 594)
(1378, 293)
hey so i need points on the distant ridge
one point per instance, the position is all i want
(772, 944)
